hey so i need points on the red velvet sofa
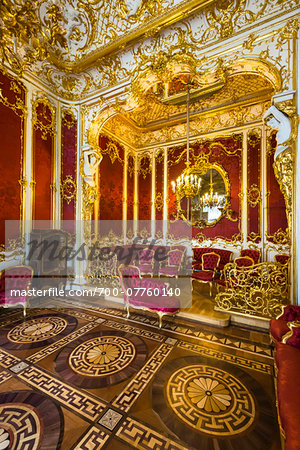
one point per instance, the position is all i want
(225, 256)
(285, 332)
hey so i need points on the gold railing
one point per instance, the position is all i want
(258, 290)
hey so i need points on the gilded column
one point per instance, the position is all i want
(56, 207)
(165, 210)
(153, 196)
(79, 265)
(244, 190)
(136, 195)
(28, 182)
(264, 193)
(124, 212)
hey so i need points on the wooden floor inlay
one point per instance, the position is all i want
(87, 379)
(101, 359)
(200, 399)
(29, 420)
(36, 331)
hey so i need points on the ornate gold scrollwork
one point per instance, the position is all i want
(201, 167)
(18, 105)
(285, 120)
(144, 165)
(47, 125)
(283, 168)
(280, 237)
(68, 118)
(23, 183)
(68, 189)
(159, 201)
(252, 236)
(253, 195)
(258, 290)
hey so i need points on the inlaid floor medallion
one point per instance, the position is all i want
(101, 359)
(207, 398)
(29, 420)
(36, 332)
(198, 401)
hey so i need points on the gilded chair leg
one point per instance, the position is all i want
(24, 310)
(160, 320)
(210, 289)
(128, 312)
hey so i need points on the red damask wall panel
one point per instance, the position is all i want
(227, 152)
(130, 187)
(111, 179)
(68, 166)
(176, 164)
(144, 197)
(159, 192)
(43, 148)
(144, 183)
(276, 212)
(253, 186)
(11, 149)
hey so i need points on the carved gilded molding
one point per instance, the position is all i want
(284, 172)
(253, 195)
(258, 290)
(76, 46)
(45, 119)
(68, 189)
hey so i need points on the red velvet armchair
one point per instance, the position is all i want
(208, 272)
(252, 253)
(146, 294)
(225, 256)
(146, 261)
(285, 332)
(244, 261)
(171, 267)
(282, 259)
(15, 278)
(230, 279)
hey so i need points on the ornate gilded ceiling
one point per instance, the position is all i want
(243, 99)
(79, 47)
(238, 88)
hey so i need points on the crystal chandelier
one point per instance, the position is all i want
(212, 199)
(189, 182)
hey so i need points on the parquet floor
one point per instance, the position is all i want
(87, 378)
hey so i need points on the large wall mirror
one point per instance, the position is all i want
(212, 199)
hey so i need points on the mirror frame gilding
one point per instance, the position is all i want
(201, 167)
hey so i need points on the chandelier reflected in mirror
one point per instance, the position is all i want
(212, 199)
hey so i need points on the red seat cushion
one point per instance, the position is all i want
(203, 275)
(168, 270)
(288, 393)
(163, 304)
(278, 328)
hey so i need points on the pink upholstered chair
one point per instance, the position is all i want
(171, 267)
(282, 259)
(146, 261)
(137, 290)
(208, 272)
(252, 253)
(15, 278)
